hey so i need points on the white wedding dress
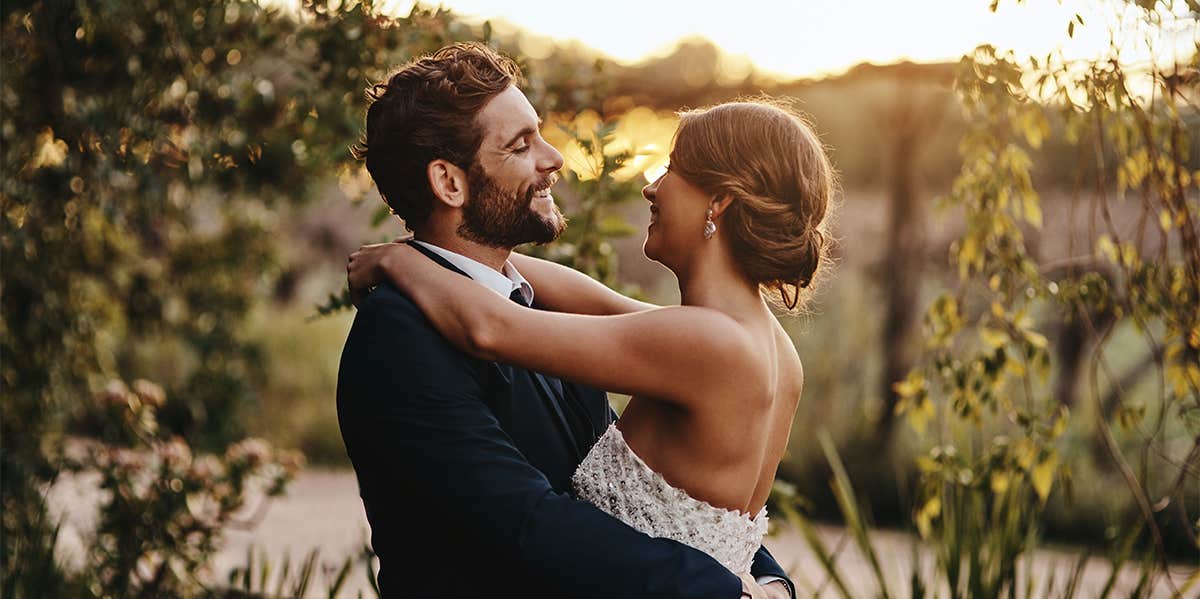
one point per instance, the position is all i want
(613, 478)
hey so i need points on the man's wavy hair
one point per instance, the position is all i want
(426, 111)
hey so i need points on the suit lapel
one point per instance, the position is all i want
(551, 389)
(555, 400)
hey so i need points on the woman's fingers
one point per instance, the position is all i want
(357, 272)
(357, 296)
(750, 588)
(363, 267)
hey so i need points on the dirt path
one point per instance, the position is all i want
(322, 511)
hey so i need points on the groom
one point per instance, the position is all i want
(464, 465)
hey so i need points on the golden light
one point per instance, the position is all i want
(824, 37)
(646, 135)
(570, 138)
(642, 134)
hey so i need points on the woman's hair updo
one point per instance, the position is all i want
(768, 160)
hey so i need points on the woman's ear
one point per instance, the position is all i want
(448, 181)
(719, 205)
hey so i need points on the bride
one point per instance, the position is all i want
(739, 218)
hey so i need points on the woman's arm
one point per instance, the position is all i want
(563, 289)
(410, 409)
(664, 352)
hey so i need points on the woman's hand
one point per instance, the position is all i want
(364, 270)
(751, 589)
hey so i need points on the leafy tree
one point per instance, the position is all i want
(1000, 439)
(988, 363)
(146, 145)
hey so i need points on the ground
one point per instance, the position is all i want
(322, 511)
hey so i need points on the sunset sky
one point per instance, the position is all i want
(817, 37)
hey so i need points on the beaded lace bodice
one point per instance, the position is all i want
(615, 479)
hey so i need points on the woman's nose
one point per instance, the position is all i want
(650, 189)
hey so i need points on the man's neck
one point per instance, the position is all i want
(491, 257)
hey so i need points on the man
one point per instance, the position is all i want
(464, 465)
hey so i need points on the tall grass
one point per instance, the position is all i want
(982, 554)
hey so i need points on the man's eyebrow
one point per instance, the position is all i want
(522, 133)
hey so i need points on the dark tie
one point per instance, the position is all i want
(554, 383)
(550, 385)
(518, 297)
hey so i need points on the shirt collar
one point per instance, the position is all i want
(503, 283)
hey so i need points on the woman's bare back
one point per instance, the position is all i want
(725, 446)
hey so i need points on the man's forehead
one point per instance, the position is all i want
(507, 114)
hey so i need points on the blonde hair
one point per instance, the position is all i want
(768, 160)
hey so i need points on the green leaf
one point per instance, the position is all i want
(1042, 475)
(920, 415)
(1033, 210)
(1036, 339)
(1130, 415)
(911, 386)
(381, 214)
(993, 338)
(848, 503)
(1107, 248)
(930, 511)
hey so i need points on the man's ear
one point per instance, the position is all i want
(449, 183)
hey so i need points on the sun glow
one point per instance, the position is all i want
(809, 38)
(823, 37)
(642, 134)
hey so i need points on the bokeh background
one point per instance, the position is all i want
(1002, 369)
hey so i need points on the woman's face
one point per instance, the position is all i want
(677, 213)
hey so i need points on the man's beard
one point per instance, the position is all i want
(496, 217)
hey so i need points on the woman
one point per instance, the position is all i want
(738, 216)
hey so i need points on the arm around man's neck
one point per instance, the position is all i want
(562, 289)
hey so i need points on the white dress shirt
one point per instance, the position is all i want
(503, 283)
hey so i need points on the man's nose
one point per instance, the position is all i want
(551, 160)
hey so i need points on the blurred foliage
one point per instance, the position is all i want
(984, 563)
(161, 507)
(981, 500)
(260, 577)
(606, 161)
(1003, 429)
(147, 147)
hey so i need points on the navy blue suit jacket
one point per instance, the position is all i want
(464, 465)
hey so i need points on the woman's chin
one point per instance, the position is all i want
(649, 249)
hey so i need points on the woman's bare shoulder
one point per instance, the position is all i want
(790, 366)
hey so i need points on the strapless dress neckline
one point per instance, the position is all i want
(615, 479)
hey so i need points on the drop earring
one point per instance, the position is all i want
(710, 228)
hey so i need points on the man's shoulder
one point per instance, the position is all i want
(388, 315)
(389, 318)
(388, 304)
(387, 297)
(389, 329)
